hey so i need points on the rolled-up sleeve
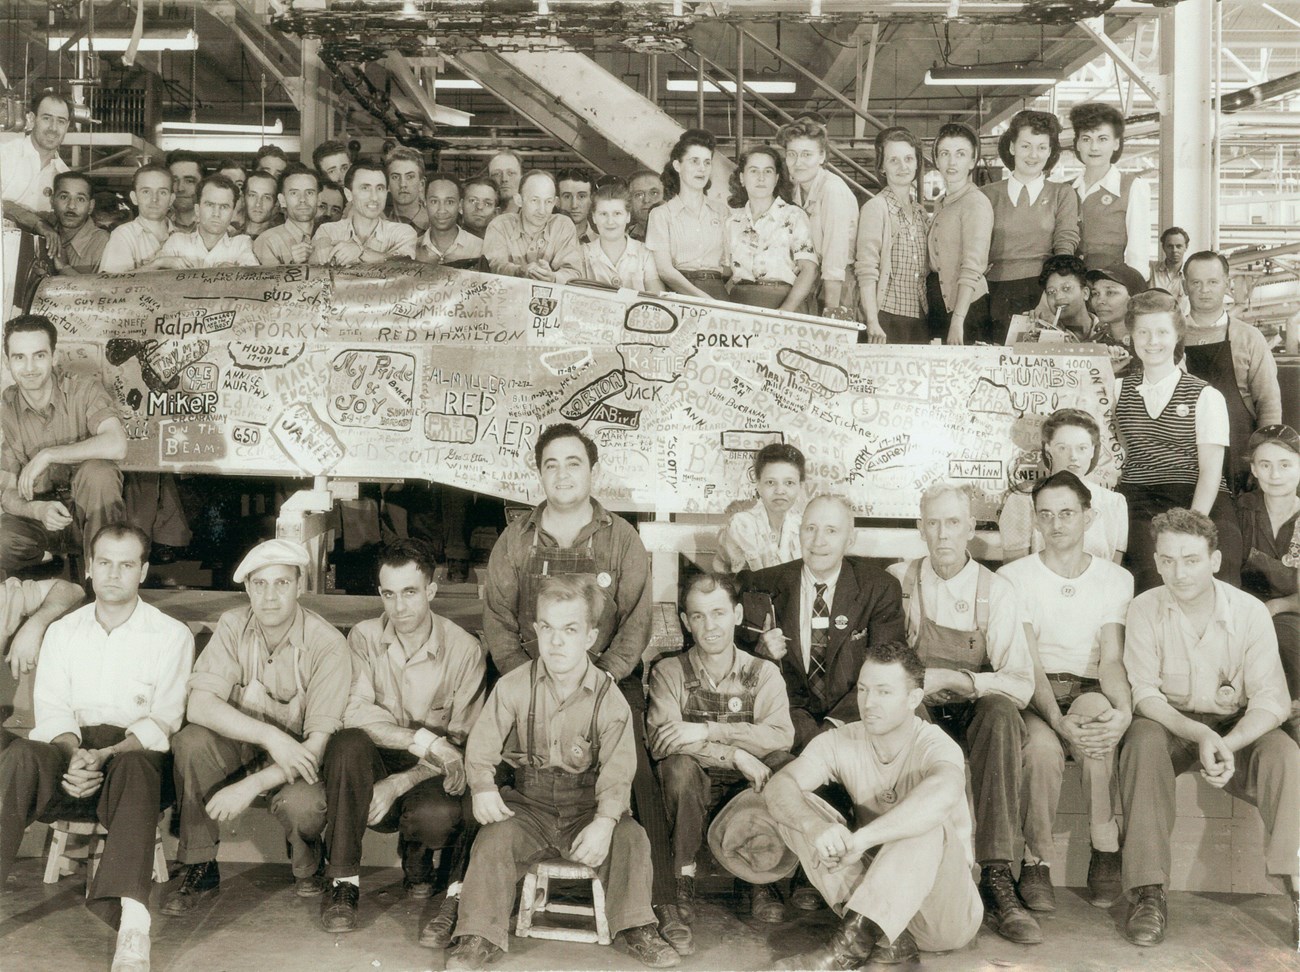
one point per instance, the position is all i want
(1142, 650)
(976, 238)
(168, 705)
(839, 219)
(469, 678)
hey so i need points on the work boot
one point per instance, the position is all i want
(338, 909)
(803, 895)
(674, 931)
(765, 904)
(1104, 877)
(1003, 911)
(437, 932)
(902, 949)
(132, 952)
(848, 948)
(1035, 887)
(1148, 916)
(471, 952)
(417, 869)
(200, 881)
(644, 944)
(686, 898)
(311, 885)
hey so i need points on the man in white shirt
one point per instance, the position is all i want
(110, 692)
(208, 244)
(30, 164)
(290, 242)
(133, 244)
(1167, 272)
(446, 241)
(1074, 606)
(405, 170)
(363, 235)
(966, 624)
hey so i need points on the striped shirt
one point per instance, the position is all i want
(1161, 448)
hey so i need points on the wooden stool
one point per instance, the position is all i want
(91, 851)
(535, 900)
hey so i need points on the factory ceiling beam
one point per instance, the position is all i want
(399, 67)
(1096, 29)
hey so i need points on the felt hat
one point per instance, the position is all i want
(745, 839)
(270, 552)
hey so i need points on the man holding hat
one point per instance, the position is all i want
(266, 693)
(719, 722)
(901, 881)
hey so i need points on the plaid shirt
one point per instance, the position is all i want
(905, 291)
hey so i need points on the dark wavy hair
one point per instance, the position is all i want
(1092, 114)
(1038, 123)
(736, 184)
(897, 653)
(692, 136)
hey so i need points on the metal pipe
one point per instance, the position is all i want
(740, 91)
(699, 92)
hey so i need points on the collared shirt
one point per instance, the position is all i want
(1233, 665)
(22, 599)
(748, 541)
(807, 598)
(629, 568)
(1211, 409)
(768, 247)
(908, 259)
(1172, 281)
(693, 240)
(509, 247)
(78, 406)
(274, 247)
(229, 251)
(84, 250)
(1067, 615)
(1137, 218)
(635, 269)
(324, 666)
(832, 221)
(27, 181)
(951, 603)
(439, 688)
(845, 755)
(466, 246)
(770, 732)
(131, 246)
(562, 726)
(388, 238)
(419, 222)
(132, 677)
(1016, 189)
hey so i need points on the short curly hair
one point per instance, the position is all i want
(1189, 522)
(1092, 114)
(897, 653)
(1038, 123)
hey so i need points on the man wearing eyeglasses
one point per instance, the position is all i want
(266, 694)
(1074, 606)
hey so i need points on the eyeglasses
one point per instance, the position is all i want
(1065, 517)
(805, 156)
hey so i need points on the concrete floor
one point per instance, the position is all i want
(257, 925)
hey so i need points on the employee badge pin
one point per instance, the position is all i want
(962, 607)
(1182, 410)
(734, 704)
(603, 579)
(1225, 694)
(841, 622)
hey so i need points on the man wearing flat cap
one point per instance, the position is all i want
(901, 881)
(266, 694)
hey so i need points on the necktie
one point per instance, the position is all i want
(821, 635)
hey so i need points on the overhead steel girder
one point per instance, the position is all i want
(1097, 31)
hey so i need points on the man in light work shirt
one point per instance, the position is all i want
(363, 235)
(81, 242)
(536, 242)
(209, 243)
(1208, 690)
(29, 165)
(133, 244)
(290, 242)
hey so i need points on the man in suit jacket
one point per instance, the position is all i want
(828, 607)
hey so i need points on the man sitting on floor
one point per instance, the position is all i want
(719, 722)
(901, 881)
(110, 692)
(267, 692)
(569, 731)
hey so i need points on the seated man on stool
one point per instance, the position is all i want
(417, 688)
(62, 441)
(719, 722)
(1074, 606)
(1208, 690)
(902, 880)
(566, 728)
(965, 623)
(110, 691)
(266, 693)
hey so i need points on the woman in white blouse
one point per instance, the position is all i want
(767, 533)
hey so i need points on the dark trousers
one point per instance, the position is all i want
(976, 328)
(992, 733)
(692, 792)
(93, 497)
(1144, 502)
(1008, 298)
(134, 792)
(770, 294)
(1151, 758)
(648, 799)
(204, 762)
(425, 815)
(900, 329)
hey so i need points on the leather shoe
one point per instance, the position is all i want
(1035, 887)
(1104, 869)
(686, 898)
(849, 948)
(1003, 911)
(338, 908)
(201, 881)
(803, 895)
(674, 931)
(644, 944)
(438, 931)
(765, 904)
(311, 885)
(1148, 916)
(902, 949)
(471, 952)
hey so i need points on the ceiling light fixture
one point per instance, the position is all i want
(217, 128)
(987, 77)
(457, 84)
(154, 40)
(692, 86)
